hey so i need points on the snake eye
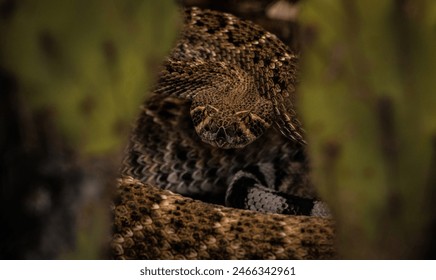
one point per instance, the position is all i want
(210, 110)
(247, 118)
(197, 116)
(256, 125)
(244, 116)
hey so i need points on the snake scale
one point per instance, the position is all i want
(220, 128)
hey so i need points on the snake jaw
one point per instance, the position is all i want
(227, 132)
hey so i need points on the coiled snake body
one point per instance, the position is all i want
(220, 127)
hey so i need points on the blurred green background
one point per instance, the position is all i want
(73, 77)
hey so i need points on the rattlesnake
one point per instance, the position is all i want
(220, 125)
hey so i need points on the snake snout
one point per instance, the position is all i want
(226, 128)
(230, 136)
(221, 138)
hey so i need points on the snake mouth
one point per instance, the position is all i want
(234, 136)
(227, 130)
(230, 137)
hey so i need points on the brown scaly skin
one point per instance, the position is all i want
(165, 152)
(152, 223)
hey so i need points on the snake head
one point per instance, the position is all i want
(226, 125)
